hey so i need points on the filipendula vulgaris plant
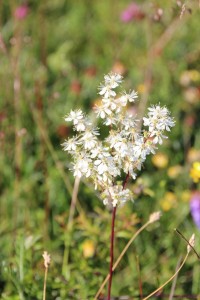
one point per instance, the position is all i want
(111, 162)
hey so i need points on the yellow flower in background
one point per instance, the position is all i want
(88, 248)
(185, 196)
(174, 171)
(141, 88)
(189, 76)
(195, 172)
(160, 160)
(193, 155)
(169, 201)
(194, 75)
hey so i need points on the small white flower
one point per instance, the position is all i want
(111, 120)
(157, 111)
(129, 122)
(89, 140)
(129, 168)
(116, 195)
(80, 126)
(71, 144)
(158, 137)
(99, 151)
(102, 111)
(140, 149)
(122, 147)
(102, 167)
(113, 79)
(106, 91)
(129, 97)
(74, 116)
(165, 124)
(81, 167)
(109, 103)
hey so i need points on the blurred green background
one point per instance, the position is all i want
(53, 55)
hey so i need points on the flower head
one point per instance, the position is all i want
(21, 12)
(47, 259)
(195, 208)
(123, 150)
(132, 12)
(195, 172)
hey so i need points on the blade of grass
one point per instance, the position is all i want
(69, 227)
(170, 279)
(175, 280)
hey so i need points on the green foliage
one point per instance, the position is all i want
(52, 61)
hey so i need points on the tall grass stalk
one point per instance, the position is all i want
(47, 260)
(45, 284)
(170, 279)
(69, 227)
(190, 246)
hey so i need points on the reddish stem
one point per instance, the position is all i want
(112, 242)
(126, 180)
(111, 250)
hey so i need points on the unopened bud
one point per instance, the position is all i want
(47, 259)
(191, 243)
(155, 217)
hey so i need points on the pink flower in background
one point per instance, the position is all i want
(21, 12)
(133, 12)
(195, 208)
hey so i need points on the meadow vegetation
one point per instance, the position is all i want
(53, 55)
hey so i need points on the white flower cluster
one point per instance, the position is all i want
(124, 150)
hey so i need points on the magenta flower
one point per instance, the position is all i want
(195, 208)
(133, 12)
(21, 12)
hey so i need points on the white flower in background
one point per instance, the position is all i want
(125, 148)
